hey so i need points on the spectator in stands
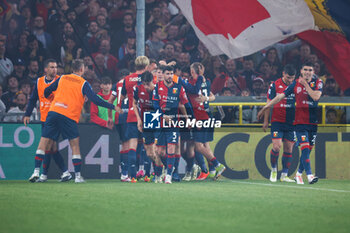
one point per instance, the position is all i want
(330, 88)
(248, 73)
(231, 83)
(13, 32)
(129, 47)
(331, 116)
(33, 71)
(2, 105)
(169, 52)
(102, 22)
(25, 87)
(35, 49)
(91, 40)
(120, 36)
(215, 69)
(257, 86)
(38, 31)
(26, 14)
(226, 113)
(99, 115)
(6, 66)
(96, 85)
(172, 33)
(154, 42)
(20, 107)
(248, 112)
(184, 60)
(265, 69)
(68, 52)
(19, 51)
(19, 68)
(111, 62)
(99, 67)
(9, 96)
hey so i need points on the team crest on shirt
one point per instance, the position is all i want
(174, 90)
(303, 138)
(275, 134)
(320, 85)
(312, 84)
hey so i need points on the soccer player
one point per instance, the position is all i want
(198, 89)
(307, 90)
(282, 128)
(50, 67)
(169, 97)
(132, 133)
(143, 101)
(120, 122)
(65, 110)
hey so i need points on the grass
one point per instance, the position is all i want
(223, 206)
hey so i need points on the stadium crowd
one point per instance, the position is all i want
(102, 33)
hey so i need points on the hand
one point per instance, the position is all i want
(139, 126)
(162, 62)
(26, 120)
(265, 126)
(172, 63)
(261, 113)
(118, 109)
(303, 82)
(110, 123)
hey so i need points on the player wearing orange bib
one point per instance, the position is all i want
(65, 111)
(51, 150)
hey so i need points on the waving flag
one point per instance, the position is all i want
(241, 27)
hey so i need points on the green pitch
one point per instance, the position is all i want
(222, 206)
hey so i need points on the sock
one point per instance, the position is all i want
(286, 161)
(211, 166)
(158, 170)
(46, 163)
(274, 158)
(215, 162)
(201, 161)
(124, 162)
(305, 159)
(164, 159)
(190, 162)
(139, 159)
(176, 163)
(77, 164)
(132, 163)
(147, 164)
(170, 164)
(39, 157)
(57, 157)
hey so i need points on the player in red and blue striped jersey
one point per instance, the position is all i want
(132, 133)
(308, 90)
(120, 123)
(143, 102)
(169, 97)
(198, 89)
(282, 128)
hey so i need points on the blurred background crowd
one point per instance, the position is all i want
(102, 33)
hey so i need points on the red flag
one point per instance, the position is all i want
(334, 49)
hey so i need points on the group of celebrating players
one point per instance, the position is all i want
(170, 98)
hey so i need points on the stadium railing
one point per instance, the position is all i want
(324, 103)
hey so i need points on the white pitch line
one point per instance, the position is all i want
(287, 186)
